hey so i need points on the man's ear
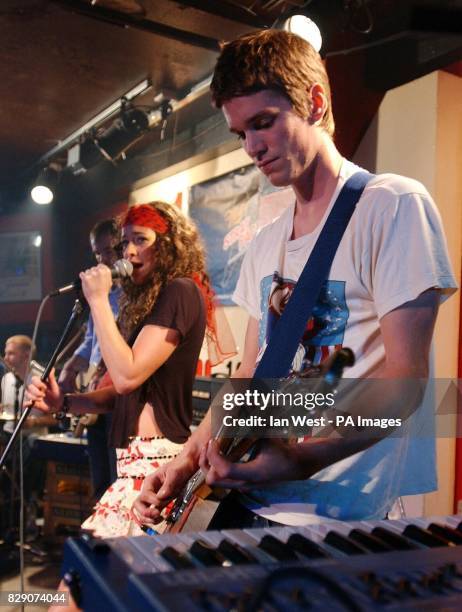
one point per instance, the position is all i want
(318, 103)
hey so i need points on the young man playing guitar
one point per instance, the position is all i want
(390, 272)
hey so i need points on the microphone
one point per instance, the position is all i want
(122, 268)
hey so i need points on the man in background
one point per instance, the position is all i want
(18, 350)
(104, 241)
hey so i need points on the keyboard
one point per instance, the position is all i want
(409, 564)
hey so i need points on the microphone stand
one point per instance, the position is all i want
(11, 474)
(76, 312)
(18, 382)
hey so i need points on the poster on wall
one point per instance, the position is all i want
(20, 267)
(229, 210)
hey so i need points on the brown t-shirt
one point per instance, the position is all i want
(180, 306)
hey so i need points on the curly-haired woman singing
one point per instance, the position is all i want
(150, 355)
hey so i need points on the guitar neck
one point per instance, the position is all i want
(233, 448)
(236, 448)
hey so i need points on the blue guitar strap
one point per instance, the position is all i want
(285, 337)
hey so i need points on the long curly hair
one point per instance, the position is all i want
(178, 253)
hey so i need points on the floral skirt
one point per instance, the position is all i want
(112, 516)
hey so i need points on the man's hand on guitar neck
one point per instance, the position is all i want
(276, 460)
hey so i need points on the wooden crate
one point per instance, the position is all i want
(67, 500)
(67, 478)
(63, 519)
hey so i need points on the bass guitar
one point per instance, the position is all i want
(195, 506)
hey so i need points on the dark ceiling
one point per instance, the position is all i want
(63, 61)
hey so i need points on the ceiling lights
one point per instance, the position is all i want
(112, 142)
(306, 28)
(43, 190)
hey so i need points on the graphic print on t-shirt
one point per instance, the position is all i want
(325, 329)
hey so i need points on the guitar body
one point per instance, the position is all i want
(94, 378)
(198, 513)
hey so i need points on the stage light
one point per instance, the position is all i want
(111, 143)
(105, 114)
(306, 28)
(43, 190)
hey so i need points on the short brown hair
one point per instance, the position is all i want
(271, 59)
(105, 227)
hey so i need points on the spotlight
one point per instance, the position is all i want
(45, 185)
(305, 28)
(112, 142)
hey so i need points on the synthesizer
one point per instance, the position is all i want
(409, 564)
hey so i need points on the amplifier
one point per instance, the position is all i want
(204, 390)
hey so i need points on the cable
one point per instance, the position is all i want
(21, 513)
(21, 466)
(150, 156)
(75, 338)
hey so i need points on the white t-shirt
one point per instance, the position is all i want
(393, 249)
(8, 402)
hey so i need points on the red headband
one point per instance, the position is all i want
(146, 216)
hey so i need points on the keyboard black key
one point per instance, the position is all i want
(446, 532)
(235, 553)
(277, 549)
(369, 541)
(425, 537)
(175, 559)
(393, 539)
(344, 544)
(307, 547)
(206, 554)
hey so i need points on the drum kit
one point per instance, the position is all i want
(5, 415)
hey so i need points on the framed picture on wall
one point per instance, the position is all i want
(20, 266)
(229, 210)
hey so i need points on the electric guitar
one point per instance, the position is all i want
(96, 377)
(195, 506)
